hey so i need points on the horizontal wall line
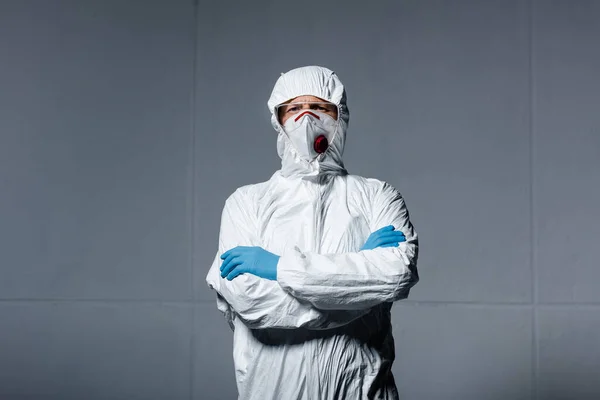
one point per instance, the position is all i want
(213, 302)
(99, 300)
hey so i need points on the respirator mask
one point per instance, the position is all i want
(310, 126)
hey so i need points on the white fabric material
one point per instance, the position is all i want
(304, 129)
(322, 330)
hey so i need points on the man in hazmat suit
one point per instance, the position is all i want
(310, 261)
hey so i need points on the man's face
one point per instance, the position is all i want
(295, 105)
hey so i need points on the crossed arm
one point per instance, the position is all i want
(315, 291)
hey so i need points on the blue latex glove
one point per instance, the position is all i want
(384, 237)
(252, 260)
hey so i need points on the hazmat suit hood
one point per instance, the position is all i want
(324, 84)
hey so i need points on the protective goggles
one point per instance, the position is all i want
(288, 110)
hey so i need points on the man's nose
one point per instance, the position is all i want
(307, 112)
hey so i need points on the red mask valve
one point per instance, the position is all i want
(321, 144)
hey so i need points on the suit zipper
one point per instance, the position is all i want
(317, 246)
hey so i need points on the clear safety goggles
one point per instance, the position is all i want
(287, 110)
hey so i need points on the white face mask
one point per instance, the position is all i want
(311, 132)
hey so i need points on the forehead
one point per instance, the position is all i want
(306, 98)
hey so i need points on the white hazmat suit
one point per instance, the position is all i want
(322, 330)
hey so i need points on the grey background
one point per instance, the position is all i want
(124, 125)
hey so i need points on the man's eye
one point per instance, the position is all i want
(292, 109)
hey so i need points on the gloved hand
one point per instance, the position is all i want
(253, 260)
(384, 237)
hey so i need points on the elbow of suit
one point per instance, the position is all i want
(253, 312)
(406, 281)
(252, 316)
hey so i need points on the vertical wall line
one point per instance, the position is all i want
(193, 197)
(532, 224)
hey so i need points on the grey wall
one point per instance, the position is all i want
(124, 125)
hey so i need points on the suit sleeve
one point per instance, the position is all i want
(258, 302)
(357, 280)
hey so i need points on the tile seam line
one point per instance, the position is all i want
(211, 302)
(532, 224)
(192, 363)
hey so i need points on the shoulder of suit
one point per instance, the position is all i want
(372, 185)
(251, 192)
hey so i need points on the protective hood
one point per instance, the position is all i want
(324, 84)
